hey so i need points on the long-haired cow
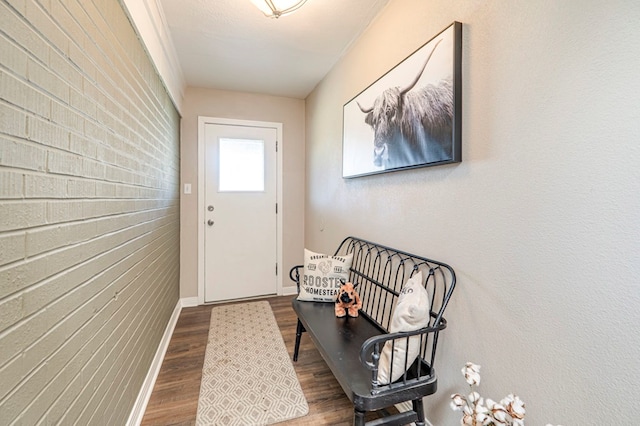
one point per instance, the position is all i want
(412, 126)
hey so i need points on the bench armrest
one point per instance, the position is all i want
(413, 371)
(294, 274)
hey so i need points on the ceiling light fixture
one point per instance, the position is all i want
(278, 8)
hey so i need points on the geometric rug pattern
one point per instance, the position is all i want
(247, 378)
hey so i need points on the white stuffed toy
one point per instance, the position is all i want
(411, 313)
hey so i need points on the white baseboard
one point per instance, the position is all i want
(189, 302)
(406, 406)
(136, 415)
(289, 291)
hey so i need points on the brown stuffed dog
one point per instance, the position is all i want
(347, 302)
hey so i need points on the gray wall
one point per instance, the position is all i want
(89, 212)
(540, 220)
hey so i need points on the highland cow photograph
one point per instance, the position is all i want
(411, 116)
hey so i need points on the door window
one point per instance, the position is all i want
(241, 165)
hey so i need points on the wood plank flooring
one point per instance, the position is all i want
(174, 400)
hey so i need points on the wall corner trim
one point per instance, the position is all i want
(148, 19)
(137, 413)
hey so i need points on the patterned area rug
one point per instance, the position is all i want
(247, 378)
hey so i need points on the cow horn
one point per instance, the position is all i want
(413, 83)
(366, 111)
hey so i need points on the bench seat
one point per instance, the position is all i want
(339, 341)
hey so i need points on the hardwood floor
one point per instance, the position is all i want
(174, 400)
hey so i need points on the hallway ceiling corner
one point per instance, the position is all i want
(231, 45)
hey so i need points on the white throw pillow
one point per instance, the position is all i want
(411, 313)
(321, 276)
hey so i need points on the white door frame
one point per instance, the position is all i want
(202, 121)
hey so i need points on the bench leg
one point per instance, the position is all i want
(358, 417)
(419, 409)
(299, 331)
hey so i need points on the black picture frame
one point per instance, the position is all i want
(411, 116)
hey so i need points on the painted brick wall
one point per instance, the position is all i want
(89, 217)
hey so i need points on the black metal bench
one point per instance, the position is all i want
(351, 347)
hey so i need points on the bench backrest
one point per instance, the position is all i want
(380, 272)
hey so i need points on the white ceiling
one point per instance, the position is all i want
(231, 45)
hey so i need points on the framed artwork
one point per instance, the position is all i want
(411, 116)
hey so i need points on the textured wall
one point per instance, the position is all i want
(89, 219)
(540, 220)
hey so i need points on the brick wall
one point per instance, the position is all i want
(89, 217)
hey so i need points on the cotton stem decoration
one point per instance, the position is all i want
(478, 411)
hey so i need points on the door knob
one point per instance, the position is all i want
(210, 222)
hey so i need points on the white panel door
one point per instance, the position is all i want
(240, 212)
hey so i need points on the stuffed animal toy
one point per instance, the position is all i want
(348, 301)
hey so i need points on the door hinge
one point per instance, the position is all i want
(276, 208)
(276, 146)
(276, 269)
